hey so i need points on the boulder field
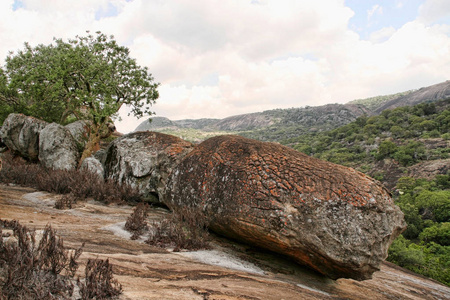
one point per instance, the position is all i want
(331, 218)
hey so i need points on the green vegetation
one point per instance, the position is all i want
(86, 78)
(425, 245)
(405, 135)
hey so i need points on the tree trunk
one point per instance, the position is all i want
(91, 146)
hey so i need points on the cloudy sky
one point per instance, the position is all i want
(220, 58)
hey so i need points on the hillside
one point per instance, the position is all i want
(271, 125)
(281, 124)
(432, 93)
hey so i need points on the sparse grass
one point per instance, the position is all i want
(186, 228)
(74, 185)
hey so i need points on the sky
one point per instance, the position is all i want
(215, 59)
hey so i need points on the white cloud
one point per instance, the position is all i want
(434, 10)
(382, 35)
(220, 58)
(376, 9)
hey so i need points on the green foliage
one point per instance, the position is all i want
(434, 205)
(86, 78)
(438, 233)
(399, 134)
(424, 246)
(386, 149)
(432, 259)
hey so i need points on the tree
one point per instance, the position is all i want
(438, 233)
(87, 78)
(386, 149)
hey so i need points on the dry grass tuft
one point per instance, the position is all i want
(136, 222)
(74, 185)
(186, 228)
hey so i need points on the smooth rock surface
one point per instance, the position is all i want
(331, 218)
(144, 160)
(94, 166)
(20, 134)
(57, 148)
(146, 272)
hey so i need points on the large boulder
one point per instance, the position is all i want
(144, 160)
(331, 218)
(20, 134)
(58, 148)
(79, 130)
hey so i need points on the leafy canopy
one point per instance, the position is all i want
(89, 77)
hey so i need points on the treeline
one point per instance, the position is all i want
(404, 136)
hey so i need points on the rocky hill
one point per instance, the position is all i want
(432, 93)
(281, 124)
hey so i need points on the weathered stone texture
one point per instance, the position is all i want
(144, 160)
(20, 134)
(333, 219)
(57, 148)
(93, 165)
(79, 130)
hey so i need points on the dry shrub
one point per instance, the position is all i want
(65, 202)
(99, 282)
(186, 228)
(45, 269)
(136, 223)
(76, 185)
(31, 269)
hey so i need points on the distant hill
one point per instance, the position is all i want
(440, 91)
(281, 124)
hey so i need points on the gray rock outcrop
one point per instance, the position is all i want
(331, 218)
(93, 165)
(79, 131)
(57, 148)
(20, 134)
(144, 160)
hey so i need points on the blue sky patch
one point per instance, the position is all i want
(17, 4)
(373, 15)
(110, 11)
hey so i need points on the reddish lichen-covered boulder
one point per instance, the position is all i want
(144, 160)
(331, 218)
